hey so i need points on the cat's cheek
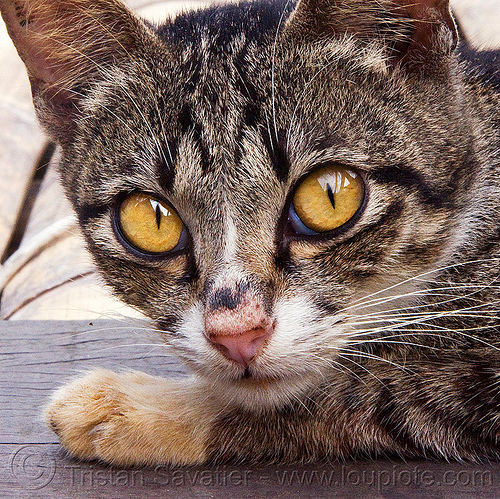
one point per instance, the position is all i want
(190, 332)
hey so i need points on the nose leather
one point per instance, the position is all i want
(242, 348)
(240, 333)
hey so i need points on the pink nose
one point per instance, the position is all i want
(244, 347)
(239, 333)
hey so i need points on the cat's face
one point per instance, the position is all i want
(224, 130)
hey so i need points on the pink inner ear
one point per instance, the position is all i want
(38, 61)
(25, 25)
(67, 44)
(64, 41)
(427, 16)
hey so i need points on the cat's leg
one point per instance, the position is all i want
(133, 418)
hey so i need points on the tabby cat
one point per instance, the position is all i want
(305, 200)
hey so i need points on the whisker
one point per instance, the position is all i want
(133, 345)
(417, 277)
(371, 356)
(338, 366)
(364, 369)
(423, 292)
(384, 341)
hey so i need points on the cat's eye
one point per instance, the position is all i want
(326, 200)
(150, 225)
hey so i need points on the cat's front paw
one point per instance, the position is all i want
(128, 418)
(89, 412)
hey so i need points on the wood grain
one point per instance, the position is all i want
(36, 357)
(60, 282)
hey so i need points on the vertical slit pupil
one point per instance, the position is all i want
(331, 195)
(158, 215)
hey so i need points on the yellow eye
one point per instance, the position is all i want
(150, 225)
(326, 200)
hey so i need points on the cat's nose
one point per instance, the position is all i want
(242, 348)
(239, 333)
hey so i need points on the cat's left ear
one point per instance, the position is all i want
(413, 31)
(66, 46)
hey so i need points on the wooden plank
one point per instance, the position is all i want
(60, 282)
(36, 357)
(18, 159)
(46, 352)
(50, 205)
(80, 297)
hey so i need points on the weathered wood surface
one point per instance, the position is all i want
(18, 159)
(38, 356)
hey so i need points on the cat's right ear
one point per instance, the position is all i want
(415, 33)
(66, 45)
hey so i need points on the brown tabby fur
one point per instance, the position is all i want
(387, 332)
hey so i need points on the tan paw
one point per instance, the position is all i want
(128, 418)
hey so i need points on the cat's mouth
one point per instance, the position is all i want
(252, 376)
(256, 388)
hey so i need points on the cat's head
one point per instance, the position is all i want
(252, 177)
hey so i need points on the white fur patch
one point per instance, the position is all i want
(192, 328)
(231, 239)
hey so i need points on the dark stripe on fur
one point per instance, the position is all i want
(87, 212)
(188, 124)
(276, 150)
(412, 181)
(165, 168)
(388, 415)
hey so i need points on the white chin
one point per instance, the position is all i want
(260, 394)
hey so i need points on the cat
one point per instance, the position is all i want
(304, 198)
